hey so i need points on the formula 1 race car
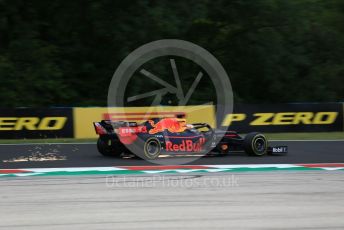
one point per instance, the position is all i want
(172, 135)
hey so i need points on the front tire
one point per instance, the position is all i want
(255, 144)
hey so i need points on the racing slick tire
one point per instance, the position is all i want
(255, 144)
(151, 148)
(105, 149)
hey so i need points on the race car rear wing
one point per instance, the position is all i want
(119, 127)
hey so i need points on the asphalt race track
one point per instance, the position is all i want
(282, 200)
(86, 155)
(258, 200)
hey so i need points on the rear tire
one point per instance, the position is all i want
(152, 149)
(105, 149)
(255, 144)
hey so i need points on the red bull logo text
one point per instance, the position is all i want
(186, 146)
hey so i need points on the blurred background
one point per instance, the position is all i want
(64, 53)
(60, 55)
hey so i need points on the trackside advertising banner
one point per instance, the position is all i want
(84, 117)
(78, 122)
(312, 117)
(36, 123)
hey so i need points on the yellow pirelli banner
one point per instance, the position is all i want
(84, 117)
